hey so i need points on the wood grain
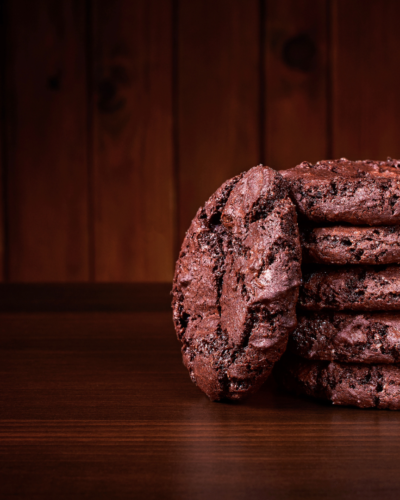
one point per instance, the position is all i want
(98, 405)
(366, 101)
(218, 98)
(47, 141)
(2, 192)
(103, 194)
(57, 297)
(2, 258)
(133, 157)
(296, 67)
(3, 38)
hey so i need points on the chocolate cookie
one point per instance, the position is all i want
(351, 245)
(356, 288)
(236, 284)
(347, 337)
(358, 192)
(365, 386)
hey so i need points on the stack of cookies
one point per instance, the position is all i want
(346, 347)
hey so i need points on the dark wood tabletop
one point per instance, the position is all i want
(98, 405)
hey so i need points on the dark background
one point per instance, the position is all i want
(120, 117)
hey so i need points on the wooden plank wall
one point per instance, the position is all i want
(46, 101)
(218, 97)
(118, 118)
(2, 137)
(365, 76)
(296, 68)
(133, 147)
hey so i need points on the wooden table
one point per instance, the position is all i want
(98, 405)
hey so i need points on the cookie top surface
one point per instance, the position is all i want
(347, 337)
(236, 284)
(354, 288)
(365, 386)
(351, 245)
(358, 192)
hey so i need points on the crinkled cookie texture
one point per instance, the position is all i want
(356, 288)
(358, 192)
(365, 386)
(236, 284)
(347, 337)
(351, 245)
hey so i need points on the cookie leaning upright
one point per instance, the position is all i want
(236, 284)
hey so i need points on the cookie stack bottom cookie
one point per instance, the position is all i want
(351, 384)
(346, 348)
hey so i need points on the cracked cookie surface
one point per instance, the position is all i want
(347, 337)
(351, 245)
(357, 192)
(362, 385)
(355, 288)
(236, 284)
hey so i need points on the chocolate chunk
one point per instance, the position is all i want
(236, 284)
